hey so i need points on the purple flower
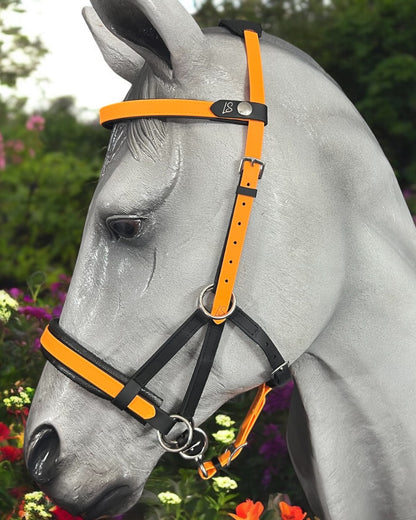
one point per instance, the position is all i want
(56, 311)
(36, 312)
(279, 398)
(275, 445)
(15, 293)
(268, 475)
(36, 344)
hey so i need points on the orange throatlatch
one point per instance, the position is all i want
(208, 469)
(130, 393)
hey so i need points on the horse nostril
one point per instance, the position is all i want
(43, 454)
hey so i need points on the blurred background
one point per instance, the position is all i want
(53, 81)
(50, 66)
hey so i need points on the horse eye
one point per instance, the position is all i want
(125, 227)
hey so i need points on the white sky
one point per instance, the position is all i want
(74, 65)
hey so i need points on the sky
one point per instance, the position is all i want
(74, 65)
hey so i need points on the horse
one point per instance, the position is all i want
(328, 270)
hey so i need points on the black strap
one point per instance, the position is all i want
(171, 347)
(202, 369)
(280, 369)
(238, 110)
(239, 26)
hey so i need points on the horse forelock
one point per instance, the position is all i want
(143, 136)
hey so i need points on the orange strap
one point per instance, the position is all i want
(232, 452)
(251, 171)
(93, 374)
(251, 168)
(155, 108)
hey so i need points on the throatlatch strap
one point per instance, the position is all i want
(212, 466)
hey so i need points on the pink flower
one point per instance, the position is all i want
(2, 154)
(35, 123)
(15, 293)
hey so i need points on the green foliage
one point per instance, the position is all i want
(45, 189)
(19, 54)
(64, 132)
(367, 46)
(43, 204)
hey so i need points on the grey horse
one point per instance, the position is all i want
(328, 270)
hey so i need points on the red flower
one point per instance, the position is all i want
(4, 432)
(248, 510)
(288, 512)
(11, 453)
(61, 514)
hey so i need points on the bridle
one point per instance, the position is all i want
(129, 393)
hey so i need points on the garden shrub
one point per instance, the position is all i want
(43, 205)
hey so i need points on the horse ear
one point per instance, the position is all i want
(120, 57)
(161, 31)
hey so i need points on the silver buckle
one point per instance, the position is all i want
(280, 368)
(252, 160)
(233, 449)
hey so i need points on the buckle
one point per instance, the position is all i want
(252, 160)
(281, 375)
(233, 450)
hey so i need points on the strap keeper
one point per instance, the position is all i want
(126, 394)
(248, 192)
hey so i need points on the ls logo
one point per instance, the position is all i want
(228, 107)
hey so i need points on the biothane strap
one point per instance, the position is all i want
(131, 393)
(208, 469)
(251, 168)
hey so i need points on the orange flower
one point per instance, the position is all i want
(288, 512)
(248, 510)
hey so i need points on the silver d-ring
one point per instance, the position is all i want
(173, 446)
(213, 316)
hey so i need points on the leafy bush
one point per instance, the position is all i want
(173, 491)
(43, 204)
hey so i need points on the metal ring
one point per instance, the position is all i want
(213, 316)
(202, 449)
(170, 445)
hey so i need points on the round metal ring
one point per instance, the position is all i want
(213, 316)
(202, 449)
(172, 446)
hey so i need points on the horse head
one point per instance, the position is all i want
(328, 242)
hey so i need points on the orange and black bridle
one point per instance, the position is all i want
(130, 393)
